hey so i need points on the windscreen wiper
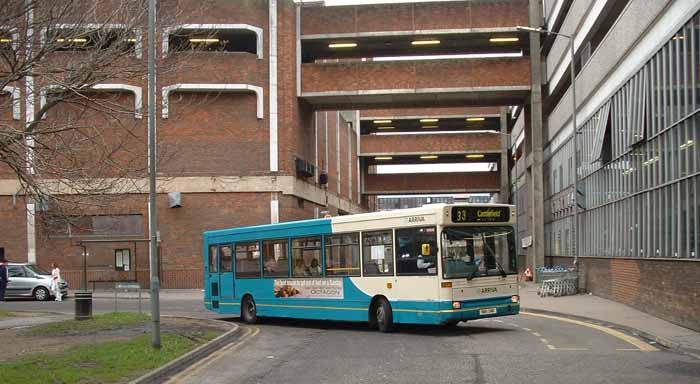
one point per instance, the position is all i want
(471, 274)
(500, 269)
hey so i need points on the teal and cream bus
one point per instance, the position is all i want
(438, 264)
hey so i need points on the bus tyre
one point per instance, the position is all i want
(249, 312)
(383, 315)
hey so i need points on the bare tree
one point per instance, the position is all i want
(81, 146)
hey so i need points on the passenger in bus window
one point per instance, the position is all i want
(270, 264)
(315, 268)
(299, 268)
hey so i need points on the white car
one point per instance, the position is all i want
(28, 280)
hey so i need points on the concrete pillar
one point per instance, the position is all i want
(504, 194)
(536, 254)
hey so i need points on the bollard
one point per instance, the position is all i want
(83, 305)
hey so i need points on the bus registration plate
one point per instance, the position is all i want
(487, 311)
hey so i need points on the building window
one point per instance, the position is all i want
(377, 253)
(638, 172)
(97, 226)
(226, 256)
(240, 38)
(343, 255)
(122, 259)
(213, 41)
(247, 259)
(416, 251)
(6, 40)
(276, 258)
(306, 257)
(84, 37)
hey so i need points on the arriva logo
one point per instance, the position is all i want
(416, 219)
(490, 213)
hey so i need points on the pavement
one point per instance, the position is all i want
(599, 309)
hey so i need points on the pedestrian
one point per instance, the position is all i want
(56, 281)
(4, 277)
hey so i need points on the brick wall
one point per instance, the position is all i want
(668, 289)
(432, 182)
(13, 227)
(402, 17)
(181, 237)
(457, 142)
(214, 134)
(327, 77)
(6, 118)
(215, 11)
(447, 111)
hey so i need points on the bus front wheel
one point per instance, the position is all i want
(383, 316)
(249, 312)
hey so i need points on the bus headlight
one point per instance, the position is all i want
(515, 298)
(456, 305)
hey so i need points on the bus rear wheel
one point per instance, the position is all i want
(249, 312)
(383, 315)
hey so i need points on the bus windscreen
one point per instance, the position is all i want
(470, 252)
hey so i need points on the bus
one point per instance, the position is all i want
(437, 264)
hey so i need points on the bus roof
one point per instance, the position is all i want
(322, 226)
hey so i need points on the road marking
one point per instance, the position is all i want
(527, 329)
(178, 378)
(642, 346)
(544, 341)
(575, 349)
(550, 346)
(498, 321)
(536, 334)
(514, 325)
(694, 355)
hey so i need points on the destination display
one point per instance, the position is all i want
(480, 214)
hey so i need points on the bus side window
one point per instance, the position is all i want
(377, 253)
(343, 255)
(416, 252)
(306, 256)
(226, 256)
(275, 258)
(248, 259)
(213, 259)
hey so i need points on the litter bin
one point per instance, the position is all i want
(83, 305)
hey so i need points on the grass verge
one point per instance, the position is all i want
(110, 362)
(101, 322)
(6, 314)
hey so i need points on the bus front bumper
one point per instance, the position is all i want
(478, 309)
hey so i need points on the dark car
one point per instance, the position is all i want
(28, 280)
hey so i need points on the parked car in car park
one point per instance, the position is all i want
(29, 280)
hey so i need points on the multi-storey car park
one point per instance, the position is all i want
(273, 110)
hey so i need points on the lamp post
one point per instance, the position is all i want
(152, 210)
(576, 132)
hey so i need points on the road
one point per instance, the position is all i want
(528, 348)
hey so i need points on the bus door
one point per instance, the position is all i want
(212, 275)
(226, 282)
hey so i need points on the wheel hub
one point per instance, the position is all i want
(380, 314)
